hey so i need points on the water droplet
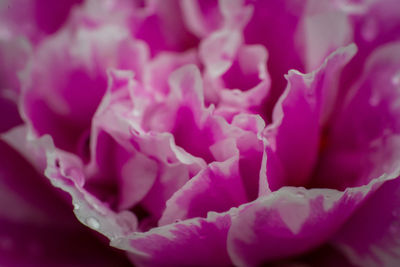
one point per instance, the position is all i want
(300, 194)
(93, 223)
(76, 206)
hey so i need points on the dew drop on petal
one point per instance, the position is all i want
(93, 223)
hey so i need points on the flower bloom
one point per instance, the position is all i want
(201, 133)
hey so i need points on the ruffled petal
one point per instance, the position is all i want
(158, 70)
(375, 23)
(273, 25)
(34, 19)
(14, 53)
(218, 51)
(291, 221)
(146, 167)
(364, 142)
(323, 29)
(63, 104)
(230, 181)
(218, 188)
(65, 171)
(371, 242)
(199, 241)
(303, 110)
(37, 226)
(161, 26)
(202, 17)
(245, 85)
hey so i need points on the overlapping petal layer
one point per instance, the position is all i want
(201, 133)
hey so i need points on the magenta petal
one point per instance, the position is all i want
(174, 169)
(273, 25)
(218, 51)
(366, 147)
(302, 110)
(138, 176)
(65, 172)
(375, 23)
(162, 27)
(34, 18)
(247, 83)
(248, 69)
(218, 188)
(37, 226)
(291, 221)
(197, 241)
(228, 182)
(63, 103)
(158, 70)
(166, 127)
(145, 168)
(186, 85)
(372, 242)
(192, 120)
(118, 174)
(9, 107)
(14, 53)
(201, 17)
(251, 164)
(318, 41)
(50, 16)
(236, 13)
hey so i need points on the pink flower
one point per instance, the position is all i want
(201, 133)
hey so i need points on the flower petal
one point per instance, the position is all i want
(303, 109)
(218, 188)
(324, 28)
(63, 103)
(365, 145)
(370, 242)
(162, 27)
(37, 226)
(291, 221)
(199, 241)
(201, 17)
